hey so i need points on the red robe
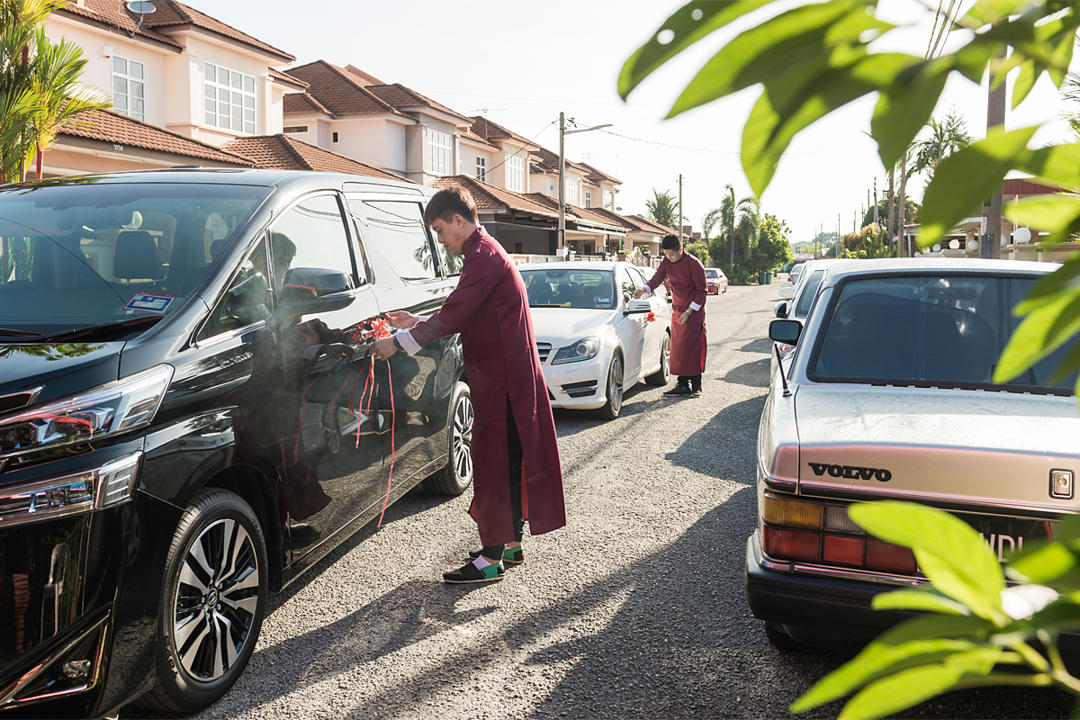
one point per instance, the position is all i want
(687, 277)
(490, 308)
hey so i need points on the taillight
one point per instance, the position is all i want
(813, 531)
(791, 278)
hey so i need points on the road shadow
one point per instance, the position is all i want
(718, 448)
(571, 422)
(760, 345)
(754, 374)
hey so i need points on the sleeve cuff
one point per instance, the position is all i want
(405, 340)
(695, 306)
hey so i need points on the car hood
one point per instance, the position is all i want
(556, 325)
(965, 446)
(60, 369)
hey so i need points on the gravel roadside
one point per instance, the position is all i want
(635, 610)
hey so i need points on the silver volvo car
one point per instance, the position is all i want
(888, 395)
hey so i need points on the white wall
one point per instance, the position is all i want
(98, 71)
(468, 155)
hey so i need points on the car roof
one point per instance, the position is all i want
(237, 176)
(574, 265)
(840, 269)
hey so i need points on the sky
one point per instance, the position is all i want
(521, 65)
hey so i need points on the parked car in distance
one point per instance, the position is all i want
(889, 394)
(189, 416)
(716, 281)
(806, 291)
(595, 340)
(787, 287)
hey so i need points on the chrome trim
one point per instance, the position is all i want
(778, 484)
(228, 334)
(877, 493)
(32, 396)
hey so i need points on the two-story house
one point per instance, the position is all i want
(176, 73)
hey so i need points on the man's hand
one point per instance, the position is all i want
(383, 349)
(685, 316)
(402, 320)
(640, 294)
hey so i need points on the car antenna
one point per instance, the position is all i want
(780, 367)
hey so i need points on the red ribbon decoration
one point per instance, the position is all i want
(651, 317)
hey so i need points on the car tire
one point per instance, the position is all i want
(216, 578)
(614, 388)
(660, 377)
(780, 640)
(456, 477)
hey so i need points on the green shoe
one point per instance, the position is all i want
(511, 556)
(469, 573)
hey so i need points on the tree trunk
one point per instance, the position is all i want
(890, 232)
(903, 249)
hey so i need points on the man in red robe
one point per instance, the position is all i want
(517, 474)
(686, 275)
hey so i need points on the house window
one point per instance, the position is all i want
(335, 137)
(588, 198)
(481, 168)
(571, 191)
(228, 99)
(515, 173)
(129, 90)
(439, 152)
(295, 128)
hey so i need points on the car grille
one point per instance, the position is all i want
(544, 349)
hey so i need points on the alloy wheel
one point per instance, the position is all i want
(461, 437)
(665, 357)
(615, 384)
(216, 599)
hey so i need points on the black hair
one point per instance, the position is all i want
(671, 242)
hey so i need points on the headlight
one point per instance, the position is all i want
(583, 349)
(110, 409)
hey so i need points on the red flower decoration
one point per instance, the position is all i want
(650, 317)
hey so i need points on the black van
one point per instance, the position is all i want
(189, 416)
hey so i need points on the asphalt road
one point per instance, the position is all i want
(635, 610)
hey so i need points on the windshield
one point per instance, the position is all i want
(919, 330)
(710, 273)
(570, 288)
(85, 254)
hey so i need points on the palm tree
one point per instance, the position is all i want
(738, 222)
(663, 208)
(946, 137)
(1070, 90)
(39, 84)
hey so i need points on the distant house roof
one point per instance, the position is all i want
(109, 15)
(500, 200)
(615, 217)
(404, 98)
(1027, 186)
(492, 131)
(598, 175)
(111, 127)
(338, 91)
(281, 152)
(650, 226)
(303, 104)
(288, 79)
(580, 215)
(548, 162)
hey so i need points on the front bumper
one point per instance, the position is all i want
(838, 606)
(577, 386)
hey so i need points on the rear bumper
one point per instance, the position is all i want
(839, 606)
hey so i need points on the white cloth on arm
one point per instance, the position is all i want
(405, 340)
(694, 306)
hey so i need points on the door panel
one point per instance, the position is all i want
(631, 329)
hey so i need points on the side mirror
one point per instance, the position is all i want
(781, 309)
(309, 290)
(785, 331)
(638, 306)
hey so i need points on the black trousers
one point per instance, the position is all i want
(513, 447)
(693, 381)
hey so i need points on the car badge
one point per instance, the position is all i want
(1061, 484)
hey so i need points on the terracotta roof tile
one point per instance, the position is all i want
(404, 98)
(172, 14)
(109, 14)
(651, 226)
(365, 78)
(112, 127)
(286, 78)
(281, 152)
(548, 162)
(588, 215)
(492, 131)
(489, 197)
(303, 103)
(598, 175)
(617, 218)
(341, 92)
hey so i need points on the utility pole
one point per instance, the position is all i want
(891, 220)
(563, 132)
(680, 209)
(837, 245)
(877, 220)
(990, 244)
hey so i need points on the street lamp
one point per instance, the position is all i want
(563, 132)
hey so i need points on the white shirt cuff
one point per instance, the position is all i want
(694, 306)
(405, 340)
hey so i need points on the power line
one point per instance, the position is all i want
(521, 150)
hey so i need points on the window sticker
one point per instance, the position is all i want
(150, 302)
(601, 300)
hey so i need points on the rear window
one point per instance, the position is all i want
(909, 329)
(808, 293)
(712, 274)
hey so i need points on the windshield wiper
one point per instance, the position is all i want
(104, 331)
(547, 305)
(9, 332)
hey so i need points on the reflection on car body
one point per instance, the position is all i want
(889, 394)
(189, 416)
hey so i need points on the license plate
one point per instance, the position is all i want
(1007, 535)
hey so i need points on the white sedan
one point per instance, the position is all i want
(596, 340)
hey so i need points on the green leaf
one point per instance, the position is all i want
(1043, 564)
(806, 37)
(986, 12)
(1056, 214)
(1024, 82)
(928, 599)
(689, 24)
(949, 551)
(965, 180)
(901, 691)
(1057, 165)
(1058, 617)
(1043, 331)
(902, 110)
(1048, 287)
